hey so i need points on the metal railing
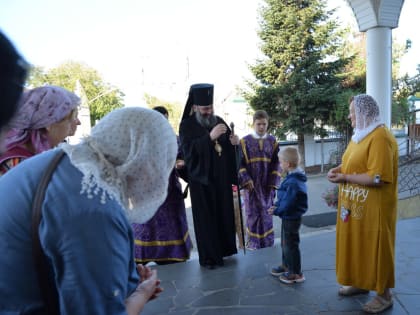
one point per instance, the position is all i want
(409, 173)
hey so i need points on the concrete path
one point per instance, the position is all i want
(317, 185)
(244, 285)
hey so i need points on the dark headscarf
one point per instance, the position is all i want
(13, 70)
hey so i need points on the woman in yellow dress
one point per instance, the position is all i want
(367, 208)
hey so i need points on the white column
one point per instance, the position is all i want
(379, 69)
(310, 150)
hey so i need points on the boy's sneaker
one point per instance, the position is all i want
(289, 278)
(277, 271)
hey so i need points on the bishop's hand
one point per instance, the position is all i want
(217, 131)
(234, 139)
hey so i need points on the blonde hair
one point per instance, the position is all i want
(291, 155)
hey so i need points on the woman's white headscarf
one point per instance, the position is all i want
(367, 116)
(128, 157)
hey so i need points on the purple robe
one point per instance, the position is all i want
(165, 237)
(259, 163)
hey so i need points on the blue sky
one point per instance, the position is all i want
(156, 46)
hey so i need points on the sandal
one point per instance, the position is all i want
(377, 305)
(349, 291)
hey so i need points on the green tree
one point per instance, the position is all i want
(102, 96)
(354, 82)
(402, 87)
(175, 109)
(297, 80)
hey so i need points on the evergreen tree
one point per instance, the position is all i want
(297, 80)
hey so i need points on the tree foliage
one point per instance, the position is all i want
(102, 97)
(297, 80)
(175, 109)
(403, 88)
(353, 80)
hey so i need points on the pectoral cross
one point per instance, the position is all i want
(218, 148)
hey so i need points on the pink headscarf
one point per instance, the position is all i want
(39, 108)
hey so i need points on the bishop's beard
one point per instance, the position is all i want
(206, 121)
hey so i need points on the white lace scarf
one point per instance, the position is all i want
(360, 134)
(128, 157)
(99, 175)
(367, 117)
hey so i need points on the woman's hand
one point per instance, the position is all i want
(359, 179)
(334, 174)
(146, 273)
(337, 178)
(148, 289)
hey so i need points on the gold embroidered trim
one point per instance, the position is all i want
(243, 145)
(162, 243)
(259, 235)
(162, 259)
(259, 159)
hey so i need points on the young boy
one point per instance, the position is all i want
(291, 204)
(259, 174)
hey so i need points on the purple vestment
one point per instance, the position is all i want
(165, 237)
(259, 163)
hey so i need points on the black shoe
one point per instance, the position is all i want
(209, 264)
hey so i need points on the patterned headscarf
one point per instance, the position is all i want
(367, 116)
(128, 157)
(39, 108)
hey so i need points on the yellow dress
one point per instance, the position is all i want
(366, 217)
